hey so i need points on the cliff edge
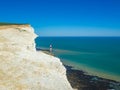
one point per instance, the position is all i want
(22, 67)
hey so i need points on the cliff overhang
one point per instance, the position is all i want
(22, 67)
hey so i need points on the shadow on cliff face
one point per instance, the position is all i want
(36, 40)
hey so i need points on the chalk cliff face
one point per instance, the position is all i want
(22, 67)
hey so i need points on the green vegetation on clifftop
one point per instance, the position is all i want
(2, 23)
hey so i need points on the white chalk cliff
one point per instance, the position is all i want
(22, 67)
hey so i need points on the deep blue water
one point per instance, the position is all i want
(102, 53)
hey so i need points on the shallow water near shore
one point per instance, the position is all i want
(96, 55)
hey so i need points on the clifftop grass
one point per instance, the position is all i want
(2, 24)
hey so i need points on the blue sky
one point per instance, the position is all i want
(65, 17)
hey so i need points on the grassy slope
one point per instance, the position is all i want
(1, 23)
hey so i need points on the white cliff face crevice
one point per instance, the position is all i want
(22, 68)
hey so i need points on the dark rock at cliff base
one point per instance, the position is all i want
(80, 80)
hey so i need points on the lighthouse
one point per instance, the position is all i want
(50, 48)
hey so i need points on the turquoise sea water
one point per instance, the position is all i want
(100, 54)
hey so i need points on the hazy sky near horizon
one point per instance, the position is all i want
(65, 17)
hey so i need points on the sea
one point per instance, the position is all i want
(98, 56)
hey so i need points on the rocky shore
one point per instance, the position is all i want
(82, 81)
